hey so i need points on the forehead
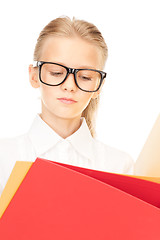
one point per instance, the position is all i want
(73, 52)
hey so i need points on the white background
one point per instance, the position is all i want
(131, 95)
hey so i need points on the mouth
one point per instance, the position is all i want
(67, 100)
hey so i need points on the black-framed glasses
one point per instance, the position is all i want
(54, 74)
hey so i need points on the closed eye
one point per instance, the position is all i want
(85, 78)
(56, 73)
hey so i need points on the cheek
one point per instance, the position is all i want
(85, 99)
(47, 93)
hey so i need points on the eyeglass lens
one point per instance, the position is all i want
(53, 74)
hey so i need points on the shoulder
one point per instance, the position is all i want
(112, 159)
(10, 149)
(13, 149)
(10, 145)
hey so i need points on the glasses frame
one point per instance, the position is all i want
(73, 71)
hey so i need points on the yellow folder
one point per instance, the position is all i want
(17, 175)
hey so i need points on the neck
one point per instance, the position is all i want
(63, 127)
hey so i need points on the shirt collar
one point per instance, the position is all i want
(43, 137)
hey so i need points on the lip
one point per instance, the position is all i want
(67, 100)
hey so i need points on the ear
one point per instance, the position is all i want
(33, 76)
(95, 95)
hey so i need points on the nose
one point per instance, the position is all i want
(69, 84)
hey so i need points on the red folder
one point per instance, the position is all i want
(59, 201)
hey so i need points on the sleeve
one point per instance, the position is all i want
(8, 156)
(112, 159)
(1, 189)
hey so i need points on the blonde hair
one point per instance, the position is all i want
(65, 27)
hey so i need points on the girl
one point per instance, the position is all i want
(68, 61)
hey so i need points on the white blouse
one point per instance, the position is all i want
(79, 149)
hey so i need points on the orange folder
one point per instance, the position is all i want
(59, 201)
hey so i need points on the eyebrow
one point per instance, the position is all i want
(89, 67)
